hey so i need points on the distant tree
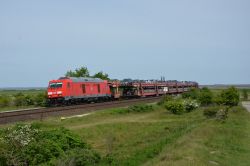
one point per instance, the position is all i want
(206, 96)
(245, 94)
(84, 72)
(70, 73)
(79, 72)
(101, 75)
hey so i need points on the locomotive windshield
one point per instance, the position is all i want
(55, 85)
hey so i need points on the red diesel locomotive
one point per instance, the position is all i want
(67, 90)
(70, 90)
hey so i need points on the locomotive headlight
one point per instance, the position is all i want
(59, 92)
(49, 93)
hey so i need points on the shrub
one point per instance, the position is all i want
(41, 151)
(229, 97)
(20, 135)
(210, 112)
(30, 145)
(13, 142)
(140, 108)
(136, 108)
(192, 94)
(205, 96)
(79, 157)
(4, 101)
(19, 99)
(108, 159)
(176, 107)
(24, 100)
(190, 105)
(40, 99)
(218, 100)
(222, 114)
(64, 138)
(165, 99)
(29, 100)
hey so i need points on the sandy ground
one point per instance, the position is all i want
(246, 104)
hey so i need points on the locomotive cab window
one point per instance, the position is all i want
(59, 84)
(52, 85)
(56, 85)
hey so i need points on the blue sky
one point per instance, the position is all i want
(204, 41)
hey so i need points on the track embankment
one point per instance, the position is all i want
(40, 114)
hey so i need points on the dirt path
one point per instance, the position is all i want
(246, 104)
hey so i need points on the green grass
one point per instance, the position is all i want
(213, 143)
(132, 138)
(158, 137)
(12, 108)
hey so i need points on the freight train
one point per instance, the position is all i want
(72, 90)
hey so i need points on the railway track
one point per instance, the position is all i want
(42, 113)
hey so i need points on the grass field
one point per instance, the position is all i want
(161, 138)
(212, 143)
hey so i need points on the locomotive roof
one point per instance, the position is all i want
(82, 79)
